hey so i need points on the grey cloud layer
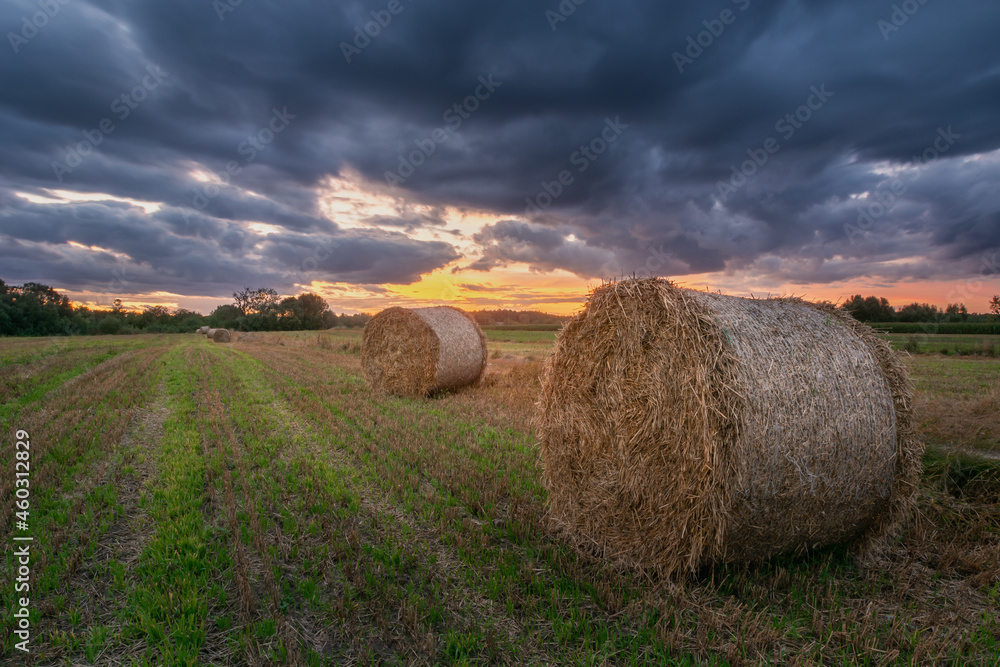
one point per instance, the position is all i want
(656, 189)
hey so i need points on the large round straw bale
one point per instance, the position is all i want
(222, 336)
(203, 330)
(680, 428)
(210, 333)
(418, 351)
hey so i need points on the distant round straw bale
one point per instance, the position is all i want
(419, 351)
(211, 333)
(203, 330)
(680, 428)
(222, 336)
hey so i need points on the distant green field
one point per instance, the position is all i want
(519, 336)
(933, 343)
(961, 344)
(941, 377)
(522, 327)
(967, 328)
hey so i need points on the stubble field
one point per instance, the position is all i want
(254, 504)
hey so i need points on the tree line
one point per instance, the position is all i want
(262, 309)
(878, 309)
(33, 309)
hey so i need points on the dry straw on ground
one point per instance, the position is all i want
(419, 351)
(680, 428)
(222, 336)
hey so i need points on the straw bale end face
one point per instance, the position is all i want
(679, 428)
(222, 336)
(420, 351)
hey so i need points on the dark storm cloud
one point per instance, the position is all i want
(363, 258)
(171, 251)
(541, 248)
(649, 201)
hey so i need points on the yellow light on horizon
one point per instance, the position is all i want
(353, 202)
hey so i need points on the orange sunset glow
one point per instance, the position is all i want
(510, 182)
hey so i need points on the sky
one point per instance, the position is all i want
(499, 155)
